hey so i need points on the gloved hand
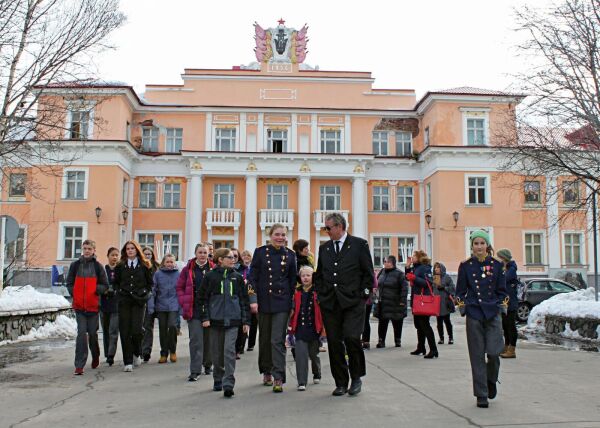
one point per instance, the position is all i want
(410, 276)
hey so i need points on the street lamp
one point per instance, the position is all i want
(125, 214)
(98, 213)
(455, 217)
(428, 219)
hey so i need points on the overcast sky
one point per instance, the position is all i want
(422, 45)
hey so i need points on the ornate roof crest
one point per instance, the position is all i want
(280, 44)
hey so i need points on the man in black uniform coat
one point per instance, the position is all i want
(344, 281)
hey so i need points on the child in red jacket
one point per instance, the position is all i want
(306, 324)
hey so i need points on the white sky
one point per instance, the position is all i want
(422, 45)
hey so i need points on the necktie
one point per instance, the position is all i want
(131, 264)
(337, 247)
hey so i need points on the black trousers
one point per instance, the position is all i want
(253, 330)
(383, 327)
(366, 334)
(167, 332)
(344, 328)
(509, 327)
(445, 319)
(131, 317)
(424, 331)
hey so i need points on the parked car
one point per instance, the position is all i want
(536, 290)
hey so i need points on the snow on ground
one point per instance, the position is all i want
(63, 327)
(28, 298)
(578, 304)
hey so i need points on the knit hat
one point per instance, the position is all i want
(480, 234)
(505, 254)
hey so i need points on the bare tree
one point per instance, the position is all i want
(45, 44)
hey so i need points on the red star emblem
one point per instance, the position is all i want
(281, 21)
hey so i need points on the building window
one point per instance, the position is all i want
(78, 129)
(331, 141)
(223, 196)
(172, 195)
(146, 240)
(277, 196)
(125, 192)
(330, 199)
(381, 198)
(17, 185)
(406, 247)
(476, 132)
(225, 139)
(381, 249)
(72, 240)
(15, 251)
(534, 248)
(174, 140)
(150, 139)
(426, 138)
(170, 243)
(74, 185)
(573, 253)
(277, 140)
(532, 192)
(404, 144)
(404, 198)
(380, 143)
(571, 192)
(428, 196)
(147, 195)
(477, 190)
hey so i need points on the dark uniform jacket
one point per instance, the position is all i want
(273, 278)
(346, 277)
(133, 283)
(481, 286)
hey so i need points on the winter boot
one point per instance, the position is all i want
(509, 353)
(173, 357)
(162, 359)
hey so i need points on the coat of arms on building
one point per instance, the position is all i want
(280, 44)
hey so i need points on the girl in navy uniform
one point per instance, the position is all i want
(481, 296)
(273, 278)
(109, 306)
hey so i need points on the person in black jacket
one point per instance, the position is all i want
(393, 290)
(344, 281)
(133, 282)
(224, 307)
(148, 339)
(109, 306)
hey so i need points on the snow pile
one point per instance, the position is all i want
(63, 327)
(578, 304)
(28, 298)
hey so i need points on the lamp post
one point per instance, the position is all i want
(98, 213)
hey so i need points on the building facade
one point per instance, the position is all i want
(228, 153)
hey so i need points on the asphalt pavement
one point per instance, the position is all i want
(545, 386)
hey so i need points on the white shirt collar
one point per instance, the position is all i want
(135, 262)
(342, 240)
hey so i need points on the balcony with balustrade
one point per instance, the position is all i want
(223, 217)
(269, 217)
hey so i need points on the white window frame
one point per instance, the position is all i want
(152, 129)
(530, 203)
(17, 197)
(86, 108)
(429, 243)
(383, 196)
(143, 232)
(427, 196)
(488, 190)
(403, 143)
(582, 246)
(164, 194)
(389, 247)
(405, 197)
(284, 195)
(380, 139)
(8, 257)
(61, 236)
(230, 197)
(173, 140)
(563, 188)
(268, 140)
(156, 200)
(86, 172)
(542, 243)
(415, 239)
(471, 229)
(125, 192)
(426, 136)
(476, 113)
(217, 129)
(341, 140)
(338, 197)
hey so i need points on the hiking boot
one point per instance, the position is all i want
(509, 353)
(162, 359)
(173, 357)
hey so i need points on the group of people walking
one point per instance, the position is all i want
(226, 296)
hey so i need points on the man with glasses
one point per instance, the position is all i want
(344, 281)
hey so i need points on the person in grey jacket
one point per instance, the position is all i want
(165, 306)
(445, 288)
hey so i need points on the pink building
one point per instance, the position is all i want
(225, 154)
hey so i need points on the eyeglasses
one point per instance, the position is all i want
(328, 228)
(228, 257)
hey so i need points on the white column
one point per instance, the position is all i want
(260, 131)
(553, 226)
(359, 220)
(243, 143)
(251, 220)
(590, 232)
(194, 213)
(304, 207)
(314, 134)
(347, 134)
(293, 146)
(421, 243)
(208, 144)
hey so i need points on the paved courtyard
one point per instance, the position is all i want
(546, 386)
